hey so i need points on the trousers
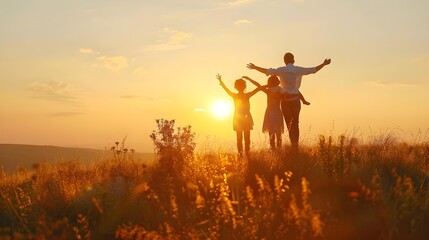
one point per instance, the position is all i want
(290, 110)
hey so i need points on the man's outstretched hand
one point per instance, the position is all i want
(327, 61)
(251, 66)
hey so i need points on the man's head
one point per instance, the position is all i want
(288, 58)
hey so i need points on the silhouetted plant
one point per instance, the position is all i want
(172, 146)
(120, 152)
(326, 150)
(336, 159)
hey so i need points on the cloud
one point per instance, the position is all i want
(56, 91)
(389, 83)
(242, 21)
(65, 114)
(129, 96)
(140, 70)
(114, 64)
(176, 37)
(237, 3)
(170, 40)
(88, 51)
(132, 97)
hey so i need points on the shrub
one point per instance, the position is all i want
(172, 146)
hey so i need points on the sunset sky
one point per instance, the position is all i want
(88, 73)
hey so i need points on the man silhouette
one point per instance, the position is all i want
(290, 81)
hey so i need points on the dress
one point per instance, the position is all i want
(273, 119)
(243, 120)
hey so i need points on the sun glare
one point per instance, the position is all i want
(221, 109)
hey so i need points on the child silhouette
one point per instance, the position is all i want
(242, 121)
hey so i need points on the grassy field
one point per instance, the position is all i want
(340, 188)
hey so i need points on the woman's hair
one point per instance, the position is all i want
(240, 84)
(273, 81)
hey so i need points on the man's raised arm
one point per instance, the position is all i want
(326, 62)
(259, 69)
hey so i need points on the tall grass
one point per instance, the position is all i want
(339, 188)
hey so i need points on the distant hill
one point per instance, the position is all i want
(17, 155)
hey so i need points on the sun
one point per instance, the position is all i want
(221, 109)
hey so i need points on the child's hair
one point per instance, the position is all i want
(273, 81)
(240, 84)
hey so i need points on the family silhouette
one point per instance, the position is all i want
(283, 102)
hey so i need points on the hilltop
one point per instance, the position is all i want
(21, 155)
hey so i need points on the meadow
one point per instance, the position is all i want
(339, 188)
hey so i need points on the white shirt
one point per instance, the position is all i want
(290, 76)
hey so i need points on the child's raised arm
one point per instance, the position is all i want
(255, 91)
(251, 80)
(219, 77)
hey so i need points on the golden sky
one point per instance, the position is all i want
(88, 73)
